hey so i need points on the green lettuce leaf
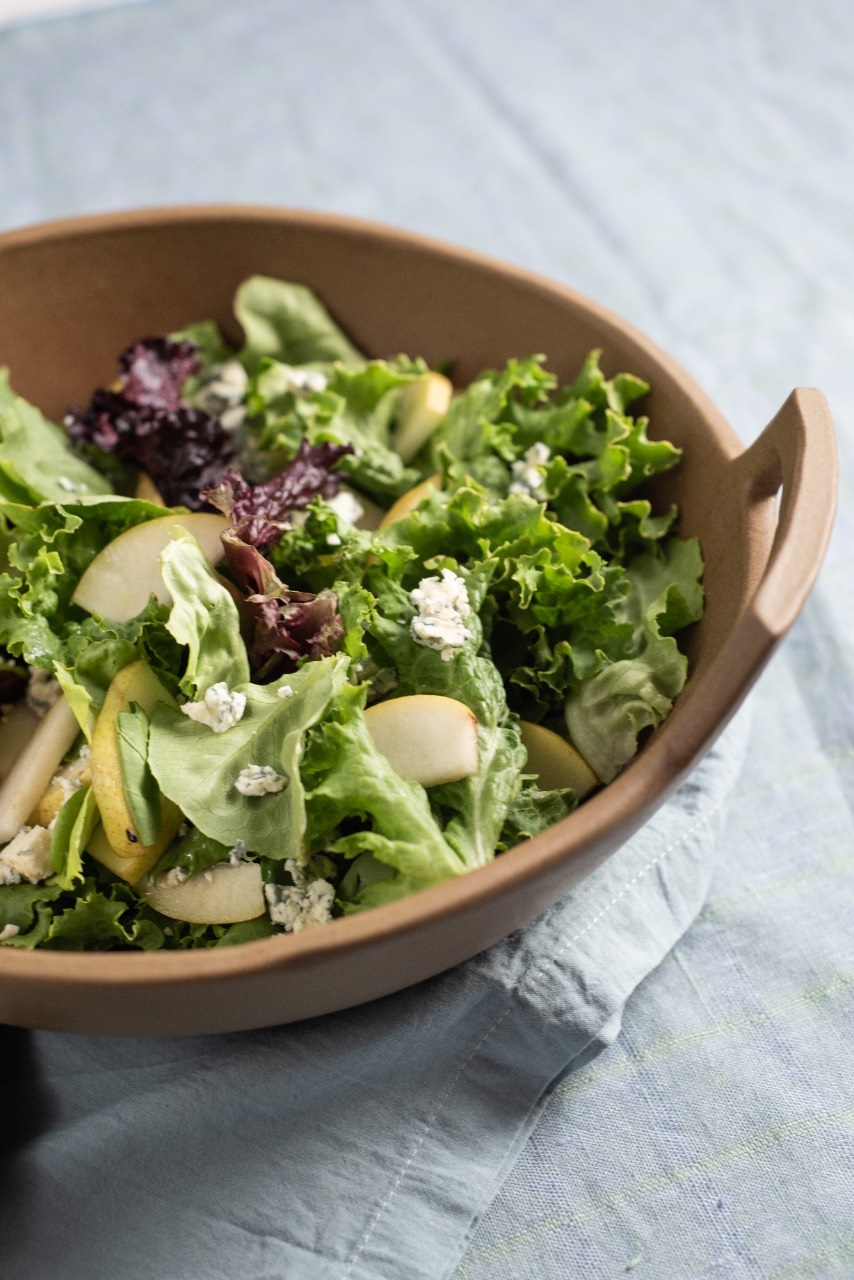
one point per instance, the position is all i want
(290, 323)
(357, 407)
(29, 909)
(74, 824)
(347, 779)
(204, 617)
(608, 713)
(191, 853)
(141, 791)
(36, 461)
(198, 768)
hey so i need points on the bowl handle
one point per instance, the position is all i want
(797, 451)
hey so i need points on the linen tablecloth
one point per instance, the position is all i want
(599, 1095)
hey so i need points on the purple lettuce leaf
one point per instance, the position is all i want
(144, 422)
(259, 512)
(285, 626)
(154, 370)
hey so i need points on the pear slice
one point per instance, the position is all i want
(421, 407)
(147, 491)
(119, 581)
(226, 894)
(16, 728)
(408, 501)
(134, 683)
(555, 761)
(425, 737)
(58, 791)
(130, 869)
(31, 773)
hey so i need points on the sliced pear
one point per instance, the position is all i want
(421, 407)
(58, 791)
(16, 728)
(31, 773)
(119, 581)
(130, 869)
(555, 761)
(134, 683)
(425, 737)
(147, 491)
(408, 501)
(225, 894)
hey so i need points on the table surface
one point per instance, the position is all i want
(690, 166)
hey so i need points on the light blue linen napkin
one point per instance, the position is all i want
(351, 1147)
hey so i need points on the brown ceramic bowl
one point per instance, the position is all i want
(73, 294)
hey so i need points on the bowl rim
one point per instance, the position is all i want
(639, 789)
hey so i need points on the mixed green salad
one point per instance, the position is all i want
(288, 632)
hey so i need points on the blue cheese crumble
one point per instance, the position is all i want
(527, 473)
(443, 606)
(298, 906)
(346, 506)
(26, 857)
(219, 709)
(224, 392)
(305, 381)
(259, 780)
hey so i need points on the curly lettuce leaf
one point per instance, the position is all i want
(354, 411)
(347, 779)
(606, 716)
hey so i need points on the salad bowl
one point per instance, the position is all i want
(74, 293)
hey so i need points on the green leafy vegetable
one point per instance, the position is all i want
(288, 322)
(199, 769)
(141, 791)
(204, 617)
(36, 463)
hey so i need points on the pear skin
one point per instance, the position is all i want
(134, 683)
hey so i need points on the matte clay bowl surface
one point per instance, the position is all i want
(73, 294)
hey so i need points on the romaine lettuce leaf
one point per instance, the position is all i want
(141, 791)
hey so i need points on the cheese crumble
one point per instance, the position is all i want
(527, 476)
(298, 906)
(26, 857)
(346, 506)
(259, 780)
(220, 709)
(443, 606)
